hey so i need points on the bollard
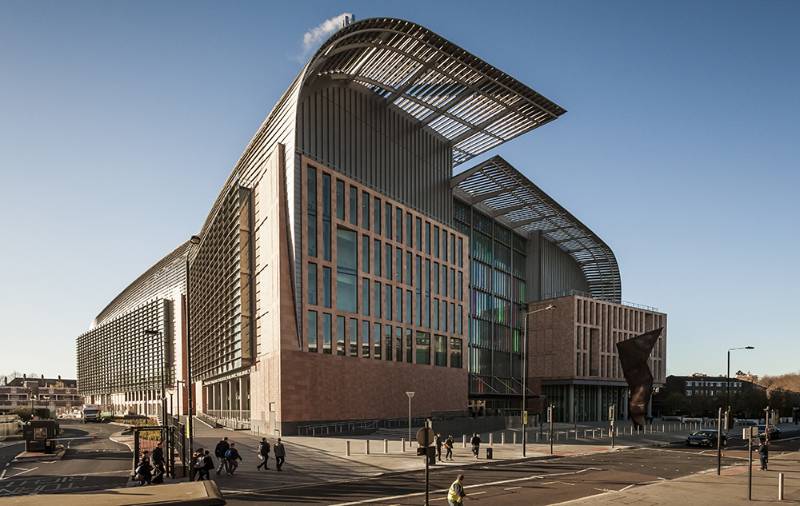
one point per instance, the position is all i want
(464, 440)
(513, 438)
(780, 486)
(367, 447)
(385, 446)
(491, 438)
(403, 442)
(347, 450)
(576, 434)
(502, 438)
(536, 437)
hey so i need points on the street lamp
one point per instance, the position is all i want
(410, 396)
(163, 374)
(525, 374)
(193, 241)
(728, 375)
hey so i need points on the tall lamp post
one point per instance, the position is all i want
(410, 396)
(728, 376)
(523, 413)
(194, 241)
(163, 373)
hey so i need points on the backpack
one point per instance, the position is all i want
(228, 453)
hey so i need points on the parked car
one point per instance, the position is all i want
(705, 437)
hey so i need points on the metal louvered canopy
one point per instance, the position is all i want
(445, 88)
(499, 190)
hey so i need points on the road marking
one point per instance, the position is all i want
(511, 488)
(24, 470)
(623, 489)
(489, 484)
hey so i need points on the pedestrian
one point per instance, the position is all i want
(437, 439)
(456, 494)
(263, 453)
(159, 469)
(448, 446)
(280, 454)
(208, 466)
(476, 444)
(144, 472)
(219, 451)
(232, 455)
(198, 464)
(763, 453)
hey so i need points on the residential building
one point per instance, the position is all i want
(56, 394)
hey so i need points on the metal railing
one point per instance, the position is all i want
(233, 418)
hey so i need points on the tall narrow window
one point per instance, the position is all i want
(460, 253)
(398, 224)
(377, 218)
(428, 237)
(376, 266)
(460, 286)
(389, 263)
(435, 313)
(452, 248)
(376, 341)
(387, 339)
(376, 310)
(312, 284)
(407, 317)
(418, 289)
(409, 345)
(326, 286)
(435, 278)
(423, 348)
(365, 210)
(398, 265)
(326, 333)
(365, 296)
(326, 216)
(436, 241)
(365, 339)
(387, 308)
(456, 352)
(340, 335)
(444, 245)
(365, 253)
(398, 297)
(352, 334)
(353, 206)
(311, 337)
(426, 292)
(409, 229)
(398, 344)
(418, 236)
(312, 211)
(440, 351)
(346, 262)
(388, 220)
(340, 199)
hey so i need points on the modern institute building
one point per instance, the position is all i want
(343, 264)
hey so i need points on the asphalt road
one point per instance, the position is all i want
(511, 483)
(91, 462)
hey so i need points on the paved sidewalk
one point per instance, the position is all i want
(709, 489)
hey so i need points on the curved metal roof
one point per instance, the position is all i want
(499, 190)
(470, 103)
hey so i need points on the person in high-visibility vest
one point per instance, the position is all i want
(456, 494)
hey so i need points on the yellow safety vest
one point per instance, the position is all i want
(452, 494)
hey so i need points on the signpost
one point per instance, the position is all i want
(719, 441)
(424, 439)
(747, 432)
(550, 421)
(410, 396)
(612, 415)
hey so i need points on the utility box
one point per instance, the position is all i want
(40, 435)
(489, 453)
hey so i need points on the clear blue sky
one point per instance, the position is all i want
(119, 122)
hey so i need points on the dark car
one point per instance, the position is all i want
(774, 432)
(705, 437)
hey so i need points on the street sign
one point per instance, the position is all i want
(550, 414)
(425, 436)
(524, 418)
(410, 395)
(611, 414)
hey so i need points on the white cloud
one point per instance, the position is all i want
(313, 37)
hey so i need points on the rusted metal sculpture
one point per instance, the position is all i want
(633, 355)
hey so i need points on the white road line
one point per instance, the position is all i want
(511, 488)
(623, 489)
(23, 471)
(489, 484)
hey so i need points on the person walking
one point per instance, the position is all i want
(144, 472)
(437, 439)
(456, 494)
(220, 451)
(448, 446)
(763, 454)
(280, 454)
(232, 456)
(158, 464)
(263, 453)
(208, 466)
(476, 444)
